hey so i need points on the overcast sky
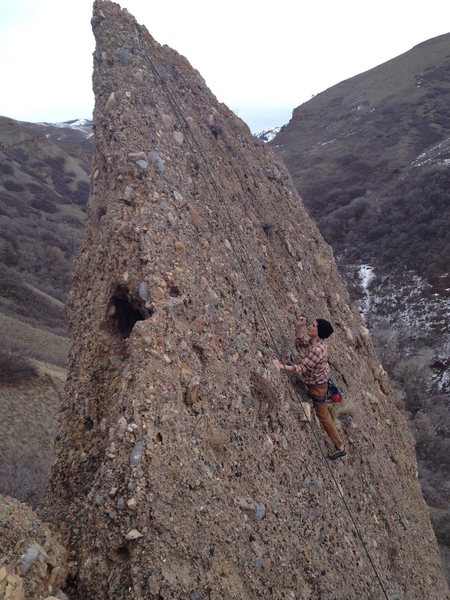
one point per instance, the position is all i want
(262, 58)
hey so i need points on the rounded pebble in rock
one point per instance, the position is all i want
(131, 503)
(167, 121)
(28, 558)
(143, 291)
(178, 198)
(136, 454)
(124, 56)
(142, 165)
(111, 103)
(160, 164)
(317, 484)
(128, 192)
(134, 534)
(139, 326)
(122, 425)
(120, 504)
(178, 137)
(260, 511)
(174, 306)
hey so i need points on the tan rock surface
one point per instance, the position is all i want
(32, 561)
(185, 469)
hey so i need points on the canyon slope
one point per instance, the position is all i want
(44, 186)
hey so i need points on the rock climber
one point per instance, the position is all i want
(313, 370)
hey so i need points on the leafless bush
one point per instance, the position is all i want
(442, 529)
(14, 366)
(6, 169)
(28, 303)
(81, 194)
(432, 430)
(44, 204)
(24, 476)
(12, 186)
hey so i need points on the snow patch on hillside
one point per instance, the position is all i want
(366, 275)
(408, 304)
(436, 155)
(83, 125)
(267, 135)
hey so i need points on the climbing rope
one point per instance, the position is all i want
(240, 261)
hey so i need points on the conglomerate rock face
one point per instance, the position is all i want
(185, 466)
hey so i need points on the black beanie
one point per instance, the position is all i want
(324, 328)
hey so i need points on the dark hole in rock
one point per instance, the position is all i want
(200, 352)
(126, 310)
(268, 228)
(216, 131)
(120, 555)
(88, 424)
(346, 419)
(71, 584)
(174, 291)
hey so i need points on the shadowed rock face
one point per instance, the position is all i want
(184, 468)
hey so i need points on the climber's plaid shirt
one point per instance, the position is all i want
(313, 368)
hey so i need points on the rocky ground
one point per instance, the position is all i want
(33, 564)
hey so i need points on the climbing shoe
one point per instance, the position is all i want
(336, 454)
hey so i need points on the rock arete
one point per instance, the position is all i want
(185, 466)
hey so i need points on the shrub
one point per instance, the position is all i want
(14, 367)
(13, 206)
(18, 154)
(6, 169)
(81, 194)
(28, 303)
(25, 475)
(44, 204)
(12, 186)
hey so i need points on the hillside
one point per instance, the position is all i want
(44, 186)
(371, 160)
(185, 468)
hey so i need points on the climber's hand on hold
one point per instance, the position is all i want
(277, 364)
(301, 321)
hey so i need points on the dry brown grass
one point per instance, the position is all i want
(34, 342)
(27, 428)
